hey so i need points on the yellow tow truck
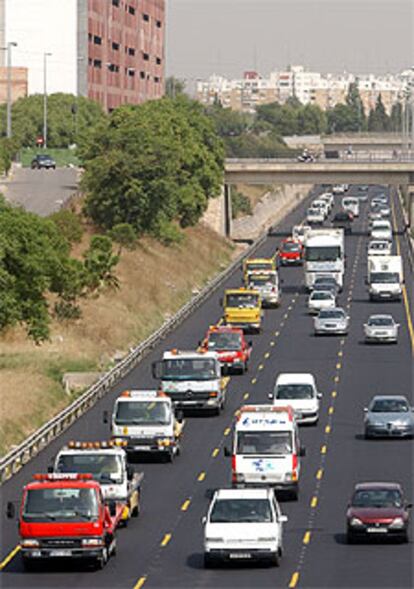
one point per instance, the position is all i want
(258, 265)
(243, 309)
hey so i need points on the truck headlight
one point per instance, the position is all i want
(397, 523)
(355, 522)
(29, 543)
(92, 542)
(164, 442)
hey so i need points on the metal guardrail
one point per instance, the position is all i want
(350, 159)
(23, 453)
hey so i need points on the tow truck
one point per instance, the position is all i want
(107, 463)
(145, 422)
(243, 309)
(64, 516)
(231, 346)
(267, 285)
(258, 264)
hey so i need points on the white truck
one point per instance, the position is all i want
(385, 277)
(266, 448)
(324, 255)
(192, 379)
(108, 464)
(145, 423)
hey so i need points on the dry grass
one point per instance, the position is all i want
(254, 192)
(155, 282)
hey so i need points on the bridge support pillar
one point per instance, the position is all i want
(227, 210)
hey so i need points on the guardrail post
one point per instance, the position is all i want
(227, 210)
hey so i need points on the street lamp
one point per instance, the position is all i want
(45, 56)
(9, 86)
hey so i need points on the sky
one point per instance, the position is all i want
(228, 37)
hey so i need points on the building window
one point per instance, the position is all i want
(146, 56)
(97, 63)
(113, 68)
(90, 37)
(131, 51)
(130, 71)
(97, 40)
(158, 60)
(115, 2)
(156, 79)
(115, 46)
(131, 9)
(142, 75)
(158, 23)
(145, 17)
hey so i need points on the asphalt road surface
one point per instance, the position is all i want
(163, 547)
(41, 191)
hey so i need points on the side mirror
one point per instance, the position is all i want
(204, 520)
(250, 344)
(283, 519)
(397, 325)
(105, 417)
(179, 415)
(112, 508)
(129, 472)
(302, 451)
(50, 469)
(365, 409)
(319, 395)
(226, 452)
(409, 505)
(156, 369)
(10, 510)
(270, 396)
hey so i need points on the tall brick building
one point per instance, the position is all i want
(109, 50)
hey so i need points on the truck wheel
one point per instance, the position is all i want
(208, 561)
(103, 559)
(294, 494)
(275, 560)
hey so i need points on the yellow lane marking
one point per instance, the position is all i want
(272, 343)
(340, 353)
(307, 537)
(254, 380)
(319, 474)
(290, 307)
(294, 580)
(336, 379)
(201, 477)
(286, 315)
(330, 410)
(9, 557)
(227, 431)
(140, 582)
(260, 367)
(323, 449)
(165, 540)
(314, 502)
(342, 342)
(185, 505)
(237, 413)
(246, 395)
(282, 324)
(334, 394)
(328, 429)
(276, 333)
(267, 355)
(339, 366)
(215, 452)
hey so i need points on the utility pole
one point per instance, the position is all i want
(45, 56)
(9, 87)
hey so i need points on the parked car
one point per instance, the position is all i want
(381, 328)
(377, 510)
(389, 416)
(343, 220)
(331, 321)
(42, 160)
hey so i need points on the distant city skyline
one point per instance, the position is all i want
(227, 37)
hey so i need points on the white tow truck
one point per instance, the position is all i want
(146, 423)
(324, 255)
(192, 379)
(107, 463)
(385, 277)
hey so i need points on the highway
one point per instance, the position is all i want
(163, 548)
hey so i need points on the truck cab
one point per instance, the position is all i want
(146, 423)
(192, 379)
(266, 448)
(385, 277)
(107, 463)
(324, 255)
(231, 346)
(290, 252)
(267, 284)
(243, 309)
(258, 264)
(65, 517)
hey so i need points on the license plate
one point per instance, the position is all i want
(377, 530)
(60, 553)
(240, 555)
(142, 447)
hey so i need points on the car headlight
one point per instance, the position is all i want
(398, 522)
(164, 442)
(29, 543)
(92, 542)
(355, 522)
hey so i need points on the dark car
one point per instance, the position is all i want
(378, 510)
(42, 160)
(343, 220)
(326, 283)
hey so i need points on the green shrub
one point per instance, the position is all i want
(240, 204)
(69, 225)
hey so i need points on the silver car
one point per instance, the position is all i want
(381, 328)
(335, 321)
(389, 416)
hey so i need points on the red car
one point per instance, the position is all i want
(377, 510)
(290, 252)
(232, 348)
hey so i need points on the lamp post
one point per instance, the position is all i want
(45, 56)
(9, 87)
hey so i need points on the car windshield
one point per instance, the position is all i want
(290, 247)
(321, 295)
(104, 467)
(322, 254)
(384, 277)
(325, 280)
(264, 442)
(251, 266)
(242, 300)
(378, 245)
(331, 314)
(381, 321)
(377, 498)
(381, 227)
(241, 511)
(224, 341)
(60, 504)
(189, 369)
(143, 413)
(43, 157)
(390, 406)
(294, 391)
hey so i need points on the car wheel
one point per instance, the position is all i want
(208, 561)
(275, 560)
(103, 559)
(405, 538)
(350, 538)
(28, 564)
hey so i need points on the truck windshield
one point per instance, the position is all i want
(384, 277)
(290, 247)
(224, 341)
(322, 254)
(233, 511)
(242, 301)
(294, 391)
(60, 504)
(143, 413)
(264, 442)
(251, 266)
(189, 369)
(105, 468)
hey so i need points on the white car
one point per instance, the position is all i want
(339, 189)
(328, 197)
(381, 230)
(351, 203)
(331, 321)
(243, 525)
(378, 247)
(381, 328)
(299, 232)
(320, 299)
(315, 216)
(300, 392)
(321, 204)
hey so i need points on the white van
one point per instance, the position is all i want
(351, 203)
(266, 448)
(300, 392)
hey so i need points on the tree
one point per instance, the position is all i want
(100, 261)
(228, 122)
(353, 100)
(378, 120)
(124, 235)
(396, 117)
(151, 164)
(174, 87)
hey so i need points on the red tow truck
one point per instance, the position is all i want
(230, 344)
(64, 516)
(290, 252)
